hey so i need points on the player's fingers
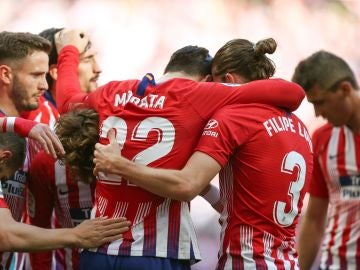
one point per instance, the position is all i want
(56, 142)
(112, 136)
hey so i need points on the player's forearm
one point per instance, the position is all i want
(163, 182)
(23, 237)
(310, 237)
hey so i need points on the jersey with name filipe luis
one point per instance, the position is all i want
(267, 154)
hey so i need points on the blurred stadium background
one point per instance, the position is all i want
(135, 37)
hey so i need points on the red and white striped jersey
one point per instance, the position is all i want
(158, 125)
(337, 177)
(52, 189)
(267, 154)
(46, 113)
(14, 193)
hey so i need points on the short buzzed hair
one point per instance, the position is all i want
(18, 45)
(192, 60)
(17, 145)
(324, 69)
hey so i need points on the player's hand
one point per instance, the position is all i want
(48, 140)
(76, 37)
(96, 232)
(107, 157)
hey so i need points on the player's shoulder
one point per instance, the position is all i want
(323, 130)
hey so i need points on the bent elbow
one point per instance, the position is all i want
(186, 193)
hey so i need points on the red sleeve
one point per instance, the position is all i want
(318, 185)
(275, 92)
(68, 91)
(3, 204)
(41, 202)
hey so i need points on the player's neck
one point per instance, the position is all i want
(7, 106)
(172, 75)
(354, 122)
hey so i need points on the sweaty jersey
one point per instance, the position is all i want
(158, 125)
(52, 189)
(267, 154)
(337, 177)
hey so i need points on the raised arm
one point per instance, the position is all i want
(69, 43)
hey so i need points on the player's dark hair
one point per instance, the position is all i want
(192, 60)
(324, 69)
(78, 133)
(49, 34)
(17, 45)
(246, 59)
(17, 145)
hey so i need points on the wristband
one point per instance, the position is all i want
(18, 125)
(213, 195)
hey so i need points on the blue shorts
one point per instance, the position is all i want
(94, 261)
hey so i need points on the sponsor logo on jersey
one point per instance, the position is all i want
(350, 187)
(16, 186)
(209, 129)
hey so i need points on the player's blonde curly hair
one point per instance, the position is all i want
(78, 132)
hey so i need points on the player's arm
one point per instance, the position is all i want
(69, 43)
(16, 236)
(311, 231)
(181, 185)
(33, 130)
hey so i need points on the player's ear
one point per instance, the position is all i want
(229, 78)
(5, 74)
(53, 71)
(4, 156)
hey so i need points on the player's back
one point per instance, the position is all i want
(270, 164)
(158, 128)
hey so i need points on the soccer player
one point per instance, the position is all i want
(265, 152)
(159, 124)
(64, 189)
(23, 66)
(16, 236)
(71, 200)
(334, 204)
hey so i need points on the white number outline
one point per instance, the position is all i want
(290, 161)
(165, 139)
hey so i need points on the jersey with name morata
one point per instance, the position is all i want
(52, 189)
(337, 178)
(158, 125)
(267, 158)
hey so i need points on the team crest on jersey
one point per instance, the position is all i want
(350, 187)
(211, 128)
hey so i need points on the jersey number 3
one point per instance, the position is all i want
(290, 161)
